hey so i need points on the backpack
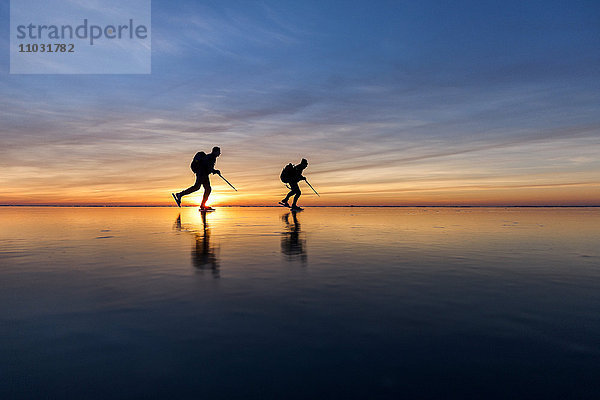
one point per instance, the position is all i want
(197, 162)
(287, 174)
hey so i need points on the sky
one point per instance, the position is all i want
(391, 102)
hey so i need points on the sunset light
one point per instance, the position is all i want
(405, 107)
(300, 199)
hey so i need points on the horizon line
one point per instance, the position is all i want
(317, 206)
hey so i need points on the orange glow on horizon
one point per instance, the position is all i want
(584, 195)
(409, 186)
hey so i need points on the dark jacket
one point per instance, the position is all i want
(297, 176)
(209, 163)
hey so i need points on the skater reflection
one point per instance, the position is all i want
(204, 255)
(292, 242)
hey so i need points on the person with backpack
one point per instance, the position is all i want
(292, 174)
(202, 165)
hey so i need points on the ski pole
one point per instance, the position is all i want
(228, 182)
(313, 189)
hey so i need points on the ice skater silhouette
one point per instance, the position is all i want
(292, 174)
(202, 165)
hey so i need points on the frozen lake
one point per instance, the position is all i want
(259, 303)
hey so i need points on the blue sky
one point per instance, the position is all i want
(393, 102)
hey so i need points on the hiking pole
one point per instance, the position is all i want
(313, 189)
(228, 182)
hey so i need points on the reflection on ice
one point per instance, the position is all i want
(293, 245)
(393, 303)
(204, 254)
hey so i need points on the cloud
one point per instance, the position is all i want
(373, 112)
